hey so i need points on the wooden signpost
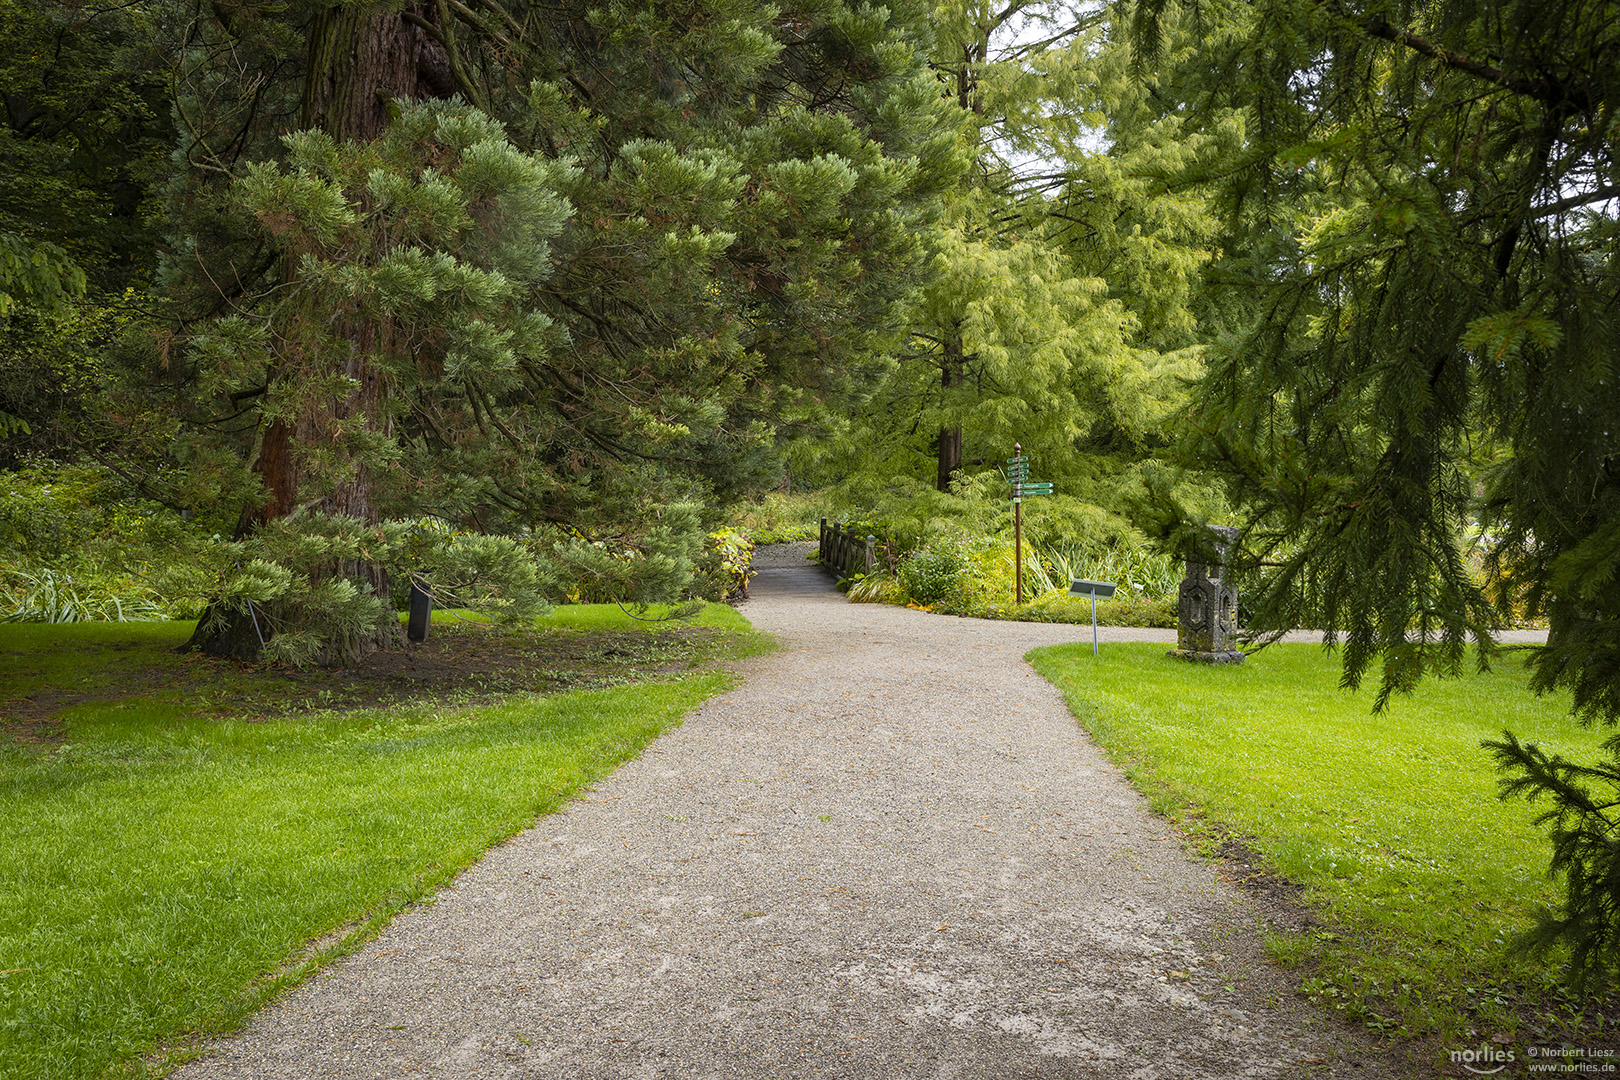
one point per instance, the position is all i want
(1022, 488)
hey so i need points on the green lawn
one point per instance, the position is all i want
(163, 872)
(1391, 821)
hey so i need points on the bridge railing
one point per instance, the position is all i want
(844, 553)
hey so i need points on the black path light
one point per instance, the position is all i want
(1093, 589)
(421, 612)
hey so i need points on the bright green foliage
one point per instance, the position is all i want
(727, 566)
(39, 276)
(1118, 610)
(1059, 316)
(941, 570)
(1142, 213)
(966, 574)
(1423, 242)
(780, 518)
(657, 564)
(1137, 570)
(1041, 353)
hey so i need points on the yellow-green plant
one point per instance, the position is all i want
(780, 518)
(726, 566)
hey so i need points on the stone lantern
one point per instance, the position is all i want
(1206, 608)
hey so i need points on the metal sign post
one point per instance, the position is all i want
(1093, 589)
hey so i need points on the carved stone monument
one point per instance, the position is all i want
(1206, 609)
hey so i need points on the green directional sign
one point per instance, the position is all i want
(1021, 459)
(1025, 489)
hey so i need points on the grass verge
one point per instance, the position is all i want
(1419, 874)
(166, 870)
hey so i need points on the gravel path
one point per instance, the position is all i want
(890, 853)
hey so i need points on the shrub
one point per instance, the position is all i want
(961, 575)
(80, 546)
(959, 556)
(1139, 571)
(726, 566)
(293, 578)
(936, 573)
(878, 587)
(654, 565)
(1118, 610)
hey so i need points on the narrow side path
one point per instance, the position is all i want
(890, 853)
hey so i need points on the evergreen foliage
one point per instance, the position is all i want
(1059, 315)
(558, 310)
(286, 581)
(1585, 850)
(1421, 282)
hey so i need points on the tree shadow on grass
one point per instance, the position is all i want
(466, 663)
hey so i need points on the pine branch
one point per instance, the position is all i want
(1573, 202)
(1562, 98)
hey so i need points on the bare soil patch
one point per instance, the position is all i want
(461, 663)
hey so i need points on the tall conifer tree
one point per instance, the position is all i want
(671, 221)
(1429, 254)
(1059, 316)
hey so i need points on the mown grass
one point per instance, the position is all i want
(165, 871)
(1421, 874)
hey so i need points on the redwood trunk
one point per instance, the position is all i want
(361, 59)
(950, 455)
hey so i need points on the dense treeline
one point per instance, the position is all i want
(497, 296)
(508, 299)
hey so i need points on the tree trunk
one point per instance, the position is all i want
(950, 456)
(950, 438)
(361, 59)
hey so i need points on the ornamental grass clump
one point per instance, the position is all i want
(76, 545)
(52, 595)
